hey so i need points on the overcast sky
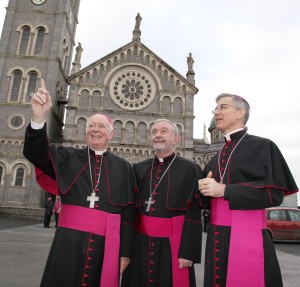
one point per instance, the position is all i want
(250, 48)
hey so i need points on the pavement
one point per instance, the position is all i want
(25, 244)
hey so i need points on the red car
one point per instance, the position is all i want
(283, 223)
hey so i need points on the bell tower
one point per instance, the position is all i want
(37, 41)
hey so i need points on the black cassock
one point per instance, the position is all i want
(76, 257)
(256, 177)
(174, 196)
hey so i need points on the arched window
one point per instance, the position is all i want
(24, 40)
(31, 85)
(16, 85)
(181, 139)
(141, 133)
(96, 100)
(166, 106)
(84, 99)
(19, 179)
(65, 60)
(81, 129)
(178, 106)
(2, 147)
(129, 132)
(1, 175)
(39, 41)
(117, 132)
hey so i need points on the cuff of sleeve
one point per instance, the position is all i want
(226, 196)
(36, 126)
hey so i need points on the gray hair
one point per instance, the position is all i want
(110, 124)
(239, 103)
(175, 128)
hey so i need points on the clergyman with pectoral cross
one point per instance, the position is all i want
(168, 226)
(93, 239)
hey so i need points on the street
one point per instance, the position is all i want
(25, 244)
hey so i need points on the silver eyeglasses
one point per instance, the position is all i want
(222, 107)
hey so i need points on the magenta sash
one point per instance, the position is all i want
(167, 227)
(100, 223)
(246, 253)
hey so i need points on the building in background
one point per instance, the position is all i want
(132, 85)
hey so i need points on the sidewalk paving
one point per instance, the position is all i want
(24, 251)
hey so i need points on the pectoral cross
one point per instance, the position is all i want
(92, 199)
(149, 202)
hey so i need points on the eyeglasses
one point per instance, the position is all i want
(223, 107)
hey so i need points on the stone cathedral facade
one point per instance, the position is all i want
(132, 85)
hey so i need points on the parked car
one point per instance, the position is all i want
(283, 223)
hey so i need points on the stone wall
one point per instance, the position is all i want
(22, 212)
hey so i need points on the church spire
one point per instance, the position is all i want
(136, 34)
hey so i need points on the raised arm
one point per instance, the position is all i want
(41, 104)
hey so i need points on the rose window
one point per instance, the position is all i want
(132, 90)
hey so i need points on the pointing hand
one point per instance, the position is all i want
(41, 104)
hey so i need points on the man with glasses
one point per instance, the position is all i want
(246, 176)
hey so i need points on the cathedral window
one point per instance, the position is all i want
(178, 106)
(95, 73)
(129, 136)
(2, 147)
(39, 41)
(24, 40)
(118, 132)
(166, 106)
(96, 99)
(149, 133)
(1, 175)
(16, 85)
(31, 85)
(19, 176)
(84, 99)
(16, 121)
(132, 89)
(142, 133)
(65, 60)
(181, 135)
(81, 129)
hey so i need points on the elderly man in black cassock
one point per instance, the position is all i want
(168, 227)
(93, 239)
(246, 176)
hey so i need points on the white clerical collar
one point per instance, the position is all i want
(227, 136)
(99, 152)
(162, 159)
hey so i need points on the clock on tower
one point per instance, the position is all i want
(38, 2)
